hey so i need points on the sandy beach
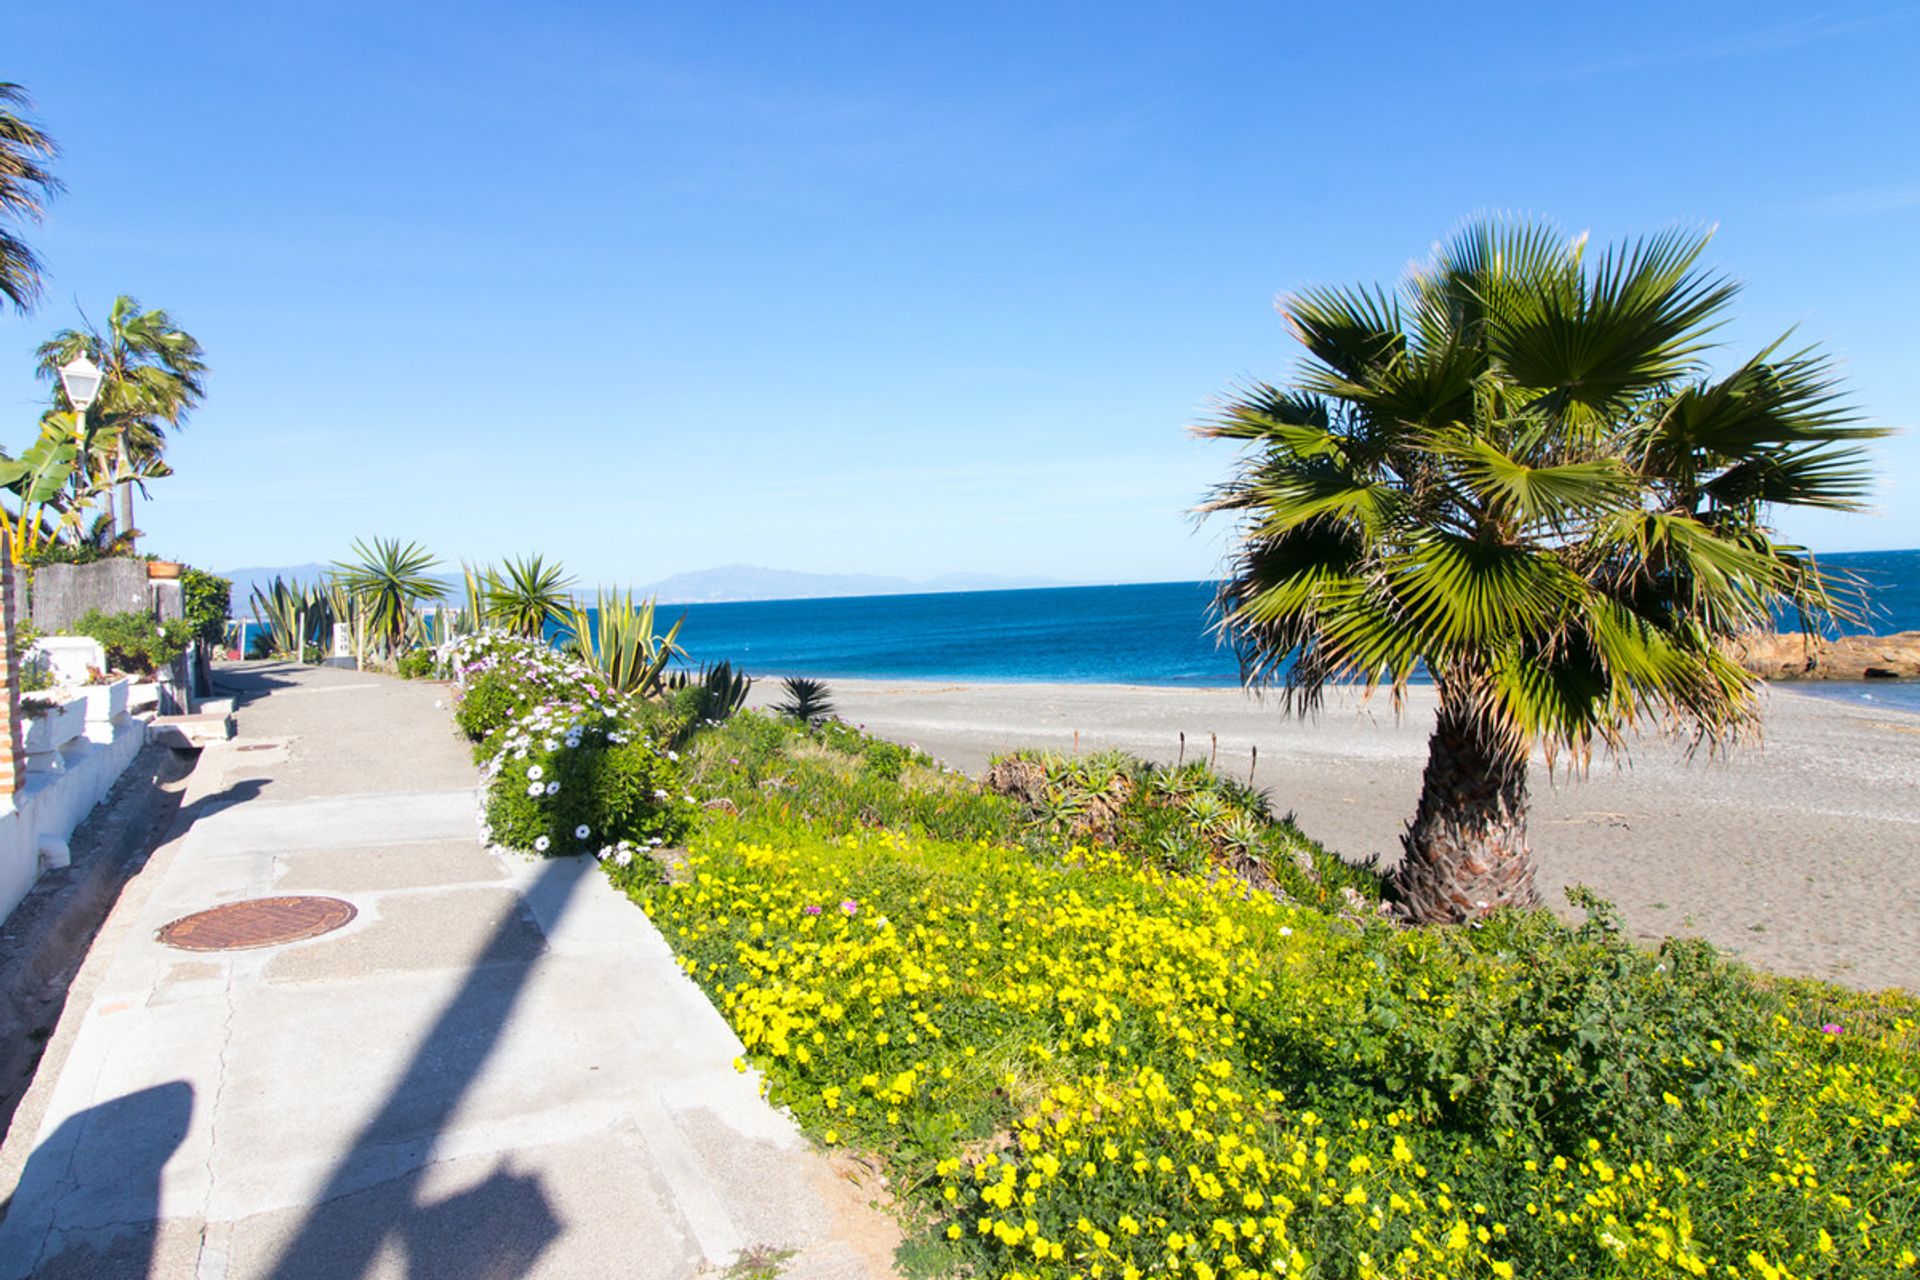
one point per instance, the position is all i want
(1801, 855)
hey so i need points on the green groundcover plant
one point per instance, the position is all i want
(1077, 1057)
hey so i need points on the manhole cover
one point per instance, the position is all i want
(259, 922)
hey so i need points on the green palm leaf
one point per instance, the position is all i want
(1519, 478)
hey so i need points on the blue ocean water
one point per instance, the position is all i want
(1891, 580)
(1153, 633)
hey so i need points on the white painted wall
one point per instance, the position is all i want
(54, 799)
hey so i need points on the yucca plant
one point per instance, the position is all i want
(523, 596)
(617, 638)
(386, 581)
(1519, 476)
(806, 699)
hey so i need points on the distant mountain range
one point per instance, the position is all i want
(702, 586)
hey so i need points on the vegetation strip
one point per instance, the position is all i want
(1109, 1050)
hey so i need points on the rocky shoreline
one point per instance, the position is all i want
(1791, 655)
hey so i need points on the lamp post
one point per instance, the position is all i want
(81, 378)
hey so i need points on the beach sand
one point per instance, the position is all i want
(1801, 855)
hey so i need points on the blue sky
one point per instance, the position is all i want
(892, 289)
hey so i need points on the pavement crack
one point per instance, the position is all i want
(219, 1090)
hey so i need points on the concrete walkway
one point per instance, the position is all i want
(495, 1070)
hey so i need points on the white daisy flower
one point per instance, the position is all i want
(535, 789)
(582, 831)
(553, 788)
(540, 845)
(623, 858)
(535, 773)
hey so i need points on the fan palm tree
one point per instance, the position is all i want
(1519, 476)
(524, 595)
(153, 373)
(25, 184)
(388, 579)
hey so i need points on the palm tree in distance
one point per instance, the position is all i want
(153, 373)
(523, 596)
(388, 579)
(25, 185)
(1518, 475)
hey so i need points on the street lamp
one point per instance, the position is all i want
(81, 378)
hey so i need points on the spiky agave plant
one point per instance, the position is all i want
(618, 639)
(1519, 476)
(281, 607)
(723, 690)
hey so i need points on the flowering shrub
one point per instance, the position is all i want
(568, 766)
(502, 677)
(1100, 1069)
(583, 786)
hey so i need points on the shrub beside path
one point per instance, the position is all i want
(496, 1069)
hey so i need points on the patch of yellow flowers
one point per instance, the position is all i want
(1080, 1068)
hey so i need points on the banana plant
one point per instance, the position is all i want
(38, 479)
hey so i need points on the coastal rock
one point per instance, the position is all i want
(1791, 655)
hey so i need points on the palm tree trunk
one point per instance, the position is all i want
(1466, 849)
(126, 513)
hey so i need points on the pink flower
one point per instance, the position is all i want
(811, 910)
(1833, 1029)
(850, 906)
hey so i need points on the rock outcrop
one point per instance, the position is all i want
(1791, 655)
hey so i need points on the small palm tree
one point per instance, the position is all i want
(25, 185)
(806, 699)
(153, 378)
(523, 596)
(1519, 477)
(388, 580)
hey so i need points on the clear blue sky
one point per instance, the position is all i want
(885, 288)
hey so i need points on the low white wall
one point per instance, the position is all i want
(52, 802)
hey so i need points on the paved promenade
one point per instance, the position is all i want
(495, 1070)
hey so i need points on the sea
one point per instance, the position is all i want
(1146, 633)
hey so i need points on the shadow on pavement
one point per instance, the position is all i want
(252, 682)
(495, 1230)
(239, 793)
(102, 1167)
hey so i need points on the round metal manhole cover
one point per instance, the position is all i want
(258, 922)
